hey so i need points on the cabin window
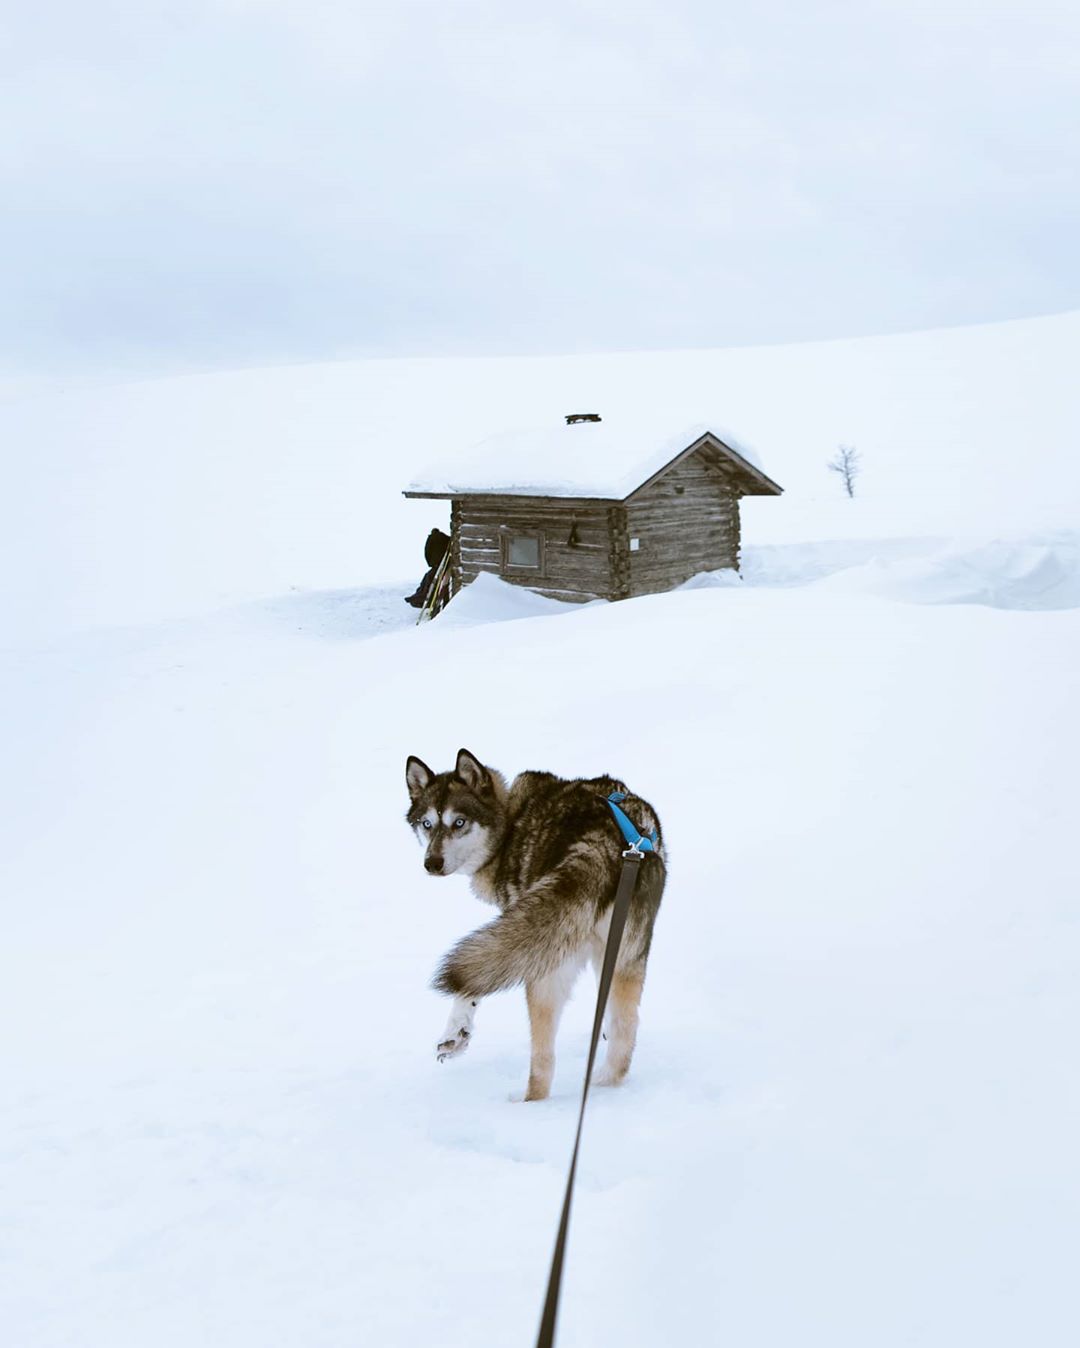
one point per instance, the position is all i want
(522, 552)
(635, 545)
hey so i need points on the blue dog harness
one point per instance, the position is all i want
(637, 841)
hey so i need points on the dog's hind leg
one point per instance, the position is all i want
(458, 1033)
(622, 1024)
(546, 998)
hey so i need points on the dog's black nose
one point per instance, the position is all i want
(433, 865)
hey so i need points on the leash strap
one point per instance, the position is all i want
(632, 860)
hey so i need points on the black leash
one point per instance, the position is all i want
(632, 860)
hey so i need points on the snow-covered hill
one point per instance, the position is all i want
(165, 498)
(853, 1111)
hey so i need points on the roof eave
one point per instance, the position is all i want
(760, 484)
(511, 496)
(766, 488)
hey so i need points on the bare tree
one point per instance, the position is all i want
(847, 465)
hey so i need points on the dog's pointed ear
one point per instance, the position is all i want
(417, 775)
(472, 772)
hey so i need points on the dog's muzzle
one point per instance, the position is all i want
(433, 865)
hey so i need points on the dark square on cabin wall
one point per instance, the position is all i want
(588, 508)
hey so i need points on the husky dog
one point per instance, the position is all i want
(547, 853)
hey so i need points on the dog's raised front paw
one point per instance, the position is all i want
(454, 1046)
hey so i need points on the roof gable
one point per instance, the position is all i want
(747, 474)
(602, 460)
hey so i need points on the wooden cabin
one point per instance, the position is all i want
(589, 509)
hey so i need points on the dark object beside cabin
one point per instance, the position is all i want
(682, 520)
(434, 551)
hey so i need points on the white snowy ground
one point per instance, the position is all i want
(853, 1113)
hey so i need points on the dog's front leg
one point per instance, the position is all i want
(543, 1022)
(458, 1033)
(546, 998)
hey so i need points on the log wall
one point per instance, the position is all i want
(685, 522)
(575, 571)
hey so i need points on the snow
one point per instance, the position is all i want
(605, 459)
(490, 599)
(164, 499)
(853, 1110)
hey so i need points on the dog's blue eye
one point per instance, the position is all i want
(459, 823)
(427, 823)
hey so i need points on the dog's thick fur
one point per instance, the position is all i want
(548, 853)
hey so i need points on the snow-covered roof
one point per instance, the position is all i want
(606, 460)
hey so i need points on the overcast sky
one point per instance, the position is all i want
(213, 182)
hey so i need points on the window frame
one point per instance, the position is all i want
(509, 568)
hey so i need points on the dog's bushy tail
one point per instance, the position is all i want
(542, 930)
